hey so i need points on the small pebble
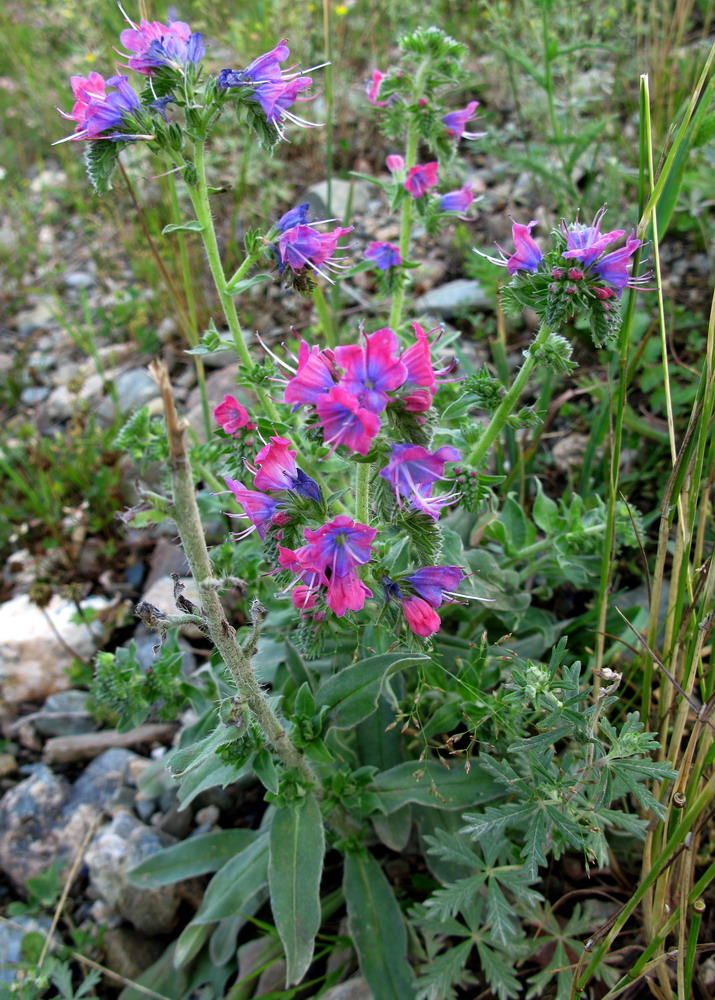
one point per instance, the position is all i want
(208, 816)
(8, 765)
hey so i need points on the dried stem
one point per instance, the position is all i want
(223, 635)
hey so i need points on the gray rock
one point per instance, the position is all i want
(37, 646)
(167, 558)
(352, 989)
(220, 359)
(145, 640)
(36, 829)
(34, 394)
(118, 848)
(64, 714)
(134, 388)
(37, 318)
(455, 297)
(177, 822)
(79, 279)
(340, 198)
(11, 935)
(102, 780)
(8, 765)
(129, 953)
(144, 808)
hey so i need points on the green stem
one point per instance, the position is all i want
(326, 322)
(243, 269)
(363, 472)
(406, 210)
(658, 866)
(200, 200)
(510, 400)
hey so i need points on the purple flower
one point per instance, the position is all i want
(154, 44)
(526, 256)
(613, 268)
(260, 509)
(384, 255)
(277, 470)
(457, 201)
(412, 467)
(372, 370)
(303, 246)
(345, 421)
(97, 112)
(434, 583)
(373, 90)
(586, 243)
(420, 178)
(423, 500)
(273, 88)
(338, 547)
(455, 121)
(297, 216)
(418, 613)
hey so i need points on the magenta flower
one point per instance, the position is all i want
(411, 467)
(261, 510)
(232, 416)
(372, 370)
(154, 44)
(273, 88)
(346, 593)
(418, 613)
(420, 617)
(338, 547)
(457, 201)
(384, 255)
(316, 375)
(421, 178)
(434, 583)
(373, 90)
(97, 112)
(395, 163)
(345, 421)
(423, 500)
(455, 121)
(526, 256)
(417, 359)
(586, 243)
(302, 569)
(277, 471)
(613, 268)
(303, 246)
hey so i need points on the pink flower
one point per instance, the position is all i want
(154, 44)
(373, 90)
(420, 616)
(585, 243)
(261, 510)
(421, 178)
(411, 466)
(526, 256)
(457, 201)
(316, 375)
(395, 163)
(613, 268)
(346, 593)
(232, 416)
(345, 421)
(276, 466)
(98, 113)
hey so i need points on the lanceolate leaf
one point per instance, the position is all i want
(432, 784)
(193, 226)
(236, 884)
(352, 694)
(206, 853)
(377, 928)
(297, 846)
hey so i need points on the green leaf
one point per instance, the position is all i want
(204, 853)
(236, 884)
(190, 942)
(443, 973)
(394, 830)
(377, 928)
(246, 283)
(265, 770)
(499, 973)
(500, 913)
(541, 742)
(432, 784)
(193, 226)
(297, 846)
(100, 159)
(352, 694)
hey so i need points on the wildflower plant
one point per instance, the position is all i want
(353, 471)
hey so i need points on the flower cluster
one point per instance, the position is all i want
(419, 593)
(582, 255)
(351, 386)
(274, 471)
(273, 88)
(153, 45)
(99, 113)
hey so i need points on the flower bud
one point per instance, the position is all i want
(575, 274)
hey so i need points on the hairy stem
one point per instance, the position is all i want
(363, 471)
(510, 400)
(188, 521)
